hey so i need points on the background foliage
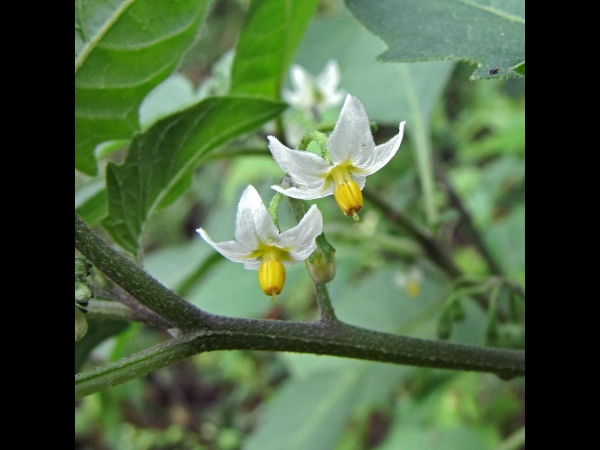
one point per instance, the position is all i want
(171, 127)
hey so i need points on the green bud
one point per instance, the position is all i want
(82, 268)
(320, 268)
(83, 292)
(445, 327)
(321, 262)
(81, 325)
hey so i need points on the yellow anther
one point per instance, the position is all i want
(347, 193)
(271, 273)
(413, 288)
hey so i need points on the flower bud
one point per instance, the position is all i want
(81, 325)
(320, 267)
(82, 292)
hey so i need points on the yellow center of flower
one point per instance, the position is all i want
(271, 273)
(413, 288)
(347, 193)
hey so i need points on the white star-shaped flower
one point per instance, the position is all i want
(259, 244)
(318, 93)
(353, 156)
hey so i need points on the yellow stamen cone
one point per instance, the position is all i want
(271, 273)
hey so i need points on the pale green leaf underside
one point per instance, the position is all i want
(267, 45)
(162, 157)
(490, 33)
(122, 50)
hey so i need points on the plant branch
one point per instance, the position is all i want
(457, 203)
(136, 281)
(432, 247)
(324, 337)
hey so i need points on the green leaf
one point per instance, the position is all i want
(98, 331)
(310, 413)
(520, 68)
(93, 209)
(324, 391)
(122, 50)
(492, 36)
(162, 156)
(267, 44)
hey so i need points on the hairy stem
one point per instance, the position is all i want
(326, 337)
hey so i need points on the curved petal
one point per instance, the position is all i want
(302, 82)
(329, 79)
(382, 154)
(231, 250)
(253, 264)
(305, 168)
(306, 193)
(351, 139)
(253, 223)
(300, 240)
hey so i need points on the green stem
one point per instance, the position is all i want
(109, 309)
(432, 247)
(321, 338)
(325, 337)
(136, 281)
(274, 208)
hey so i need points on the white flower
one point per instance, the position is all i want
(411, 282)
(259, 244)
(353, 156)
(318, 93)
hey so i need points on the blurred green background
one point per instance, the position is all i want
(256, 400)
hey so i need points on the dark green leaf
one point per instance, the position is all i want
(493, 37)
(267, 45)
(93, 209)
(98, 331)
(161, 157)
(122, 50)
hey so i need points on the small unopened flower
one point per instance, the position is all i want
(315, 94)
(353, 155)
(260, 246)
(411, 281)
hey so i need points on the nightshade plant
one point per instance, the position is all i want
(349, 155)
(260, 246)
(449, 207)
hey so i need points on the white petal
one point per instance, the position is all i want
(304, 167)
(303, 82)
(306, 192)
(232, 250)
(253, 223)
(382, 154)
(329, 79)
(300, 240)
(351, 139)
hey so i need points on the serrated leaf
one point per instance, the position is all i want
(490, 35)
(520, 68)
(159, 158)
(122, 50)
(267, 45)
